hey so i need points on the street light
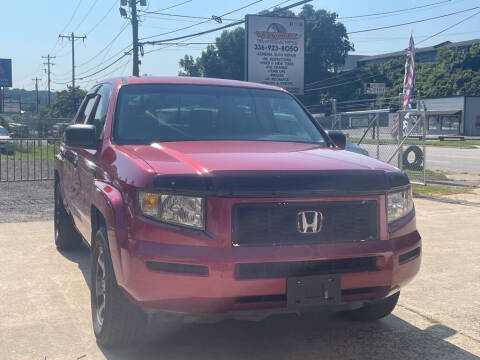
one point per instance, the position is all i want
(123, 12)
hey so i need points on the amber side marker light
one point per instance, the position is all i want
(380, 262)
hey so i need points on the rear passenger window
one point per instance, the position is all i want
(102, 108)
(86, 109)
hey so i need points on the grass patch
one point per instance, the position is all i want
(430, 174)
(437, 190)
(30, 152)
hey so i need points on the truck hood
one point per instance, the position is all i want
(195, 157)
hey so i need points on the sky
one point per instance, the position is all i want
(31, 29)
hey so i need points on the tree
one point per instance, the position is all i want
(326, 46)
(190, 66)
(455, 72)
(63, 106)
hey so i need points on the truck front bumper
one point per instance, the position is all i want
(206, 280)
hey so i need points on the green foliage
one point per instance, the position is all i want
(326, 45)
(63, 105)
(456, 72)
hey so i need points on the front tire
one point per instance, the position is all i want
(115, 320)
(66, 235)
(375, 310)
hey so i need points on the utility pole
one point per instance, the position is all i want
(134, 21)
(36, 91)
(48, 63)
(72, 38)
(334, 113)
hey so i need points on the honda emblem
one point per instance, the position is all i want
(309, 222)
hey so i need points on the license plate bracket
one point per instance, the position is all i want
(315, 290)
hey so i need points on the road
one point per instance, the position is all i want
(453, 159)
(438, 158)
(45, 307)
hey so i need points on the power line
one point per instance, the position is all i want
(122, 29)
(167, 8)
(156, 42)
(378, 39)
(191, 16)
(438, 33)
(158, 17)
(342, 76)
(124, 66)
(102, 18)
(104, 68)
(130, 49)
(68, 23)
(342, 83)
(94, 2)
(412, 22)
(204, 21)
(393, 11)
(449, 27)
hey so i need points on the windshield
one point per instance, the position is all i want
(157, 113)
(3, 132)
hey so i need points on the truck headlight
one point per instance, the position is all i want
(174, 209)
(399, 204)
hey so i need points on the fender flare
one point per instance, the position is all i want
(109, 202)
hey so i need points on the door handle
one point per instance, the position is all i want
(75, 159)
(72, 157)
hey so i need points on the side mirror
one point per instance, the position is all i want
(81, 136)
(338, 138)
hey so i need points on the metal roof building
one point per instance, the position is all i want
(422, 54)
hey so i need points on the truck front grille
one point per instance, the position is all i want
(265, 224)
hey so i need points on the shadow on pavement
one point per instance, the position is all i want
(312, 336)
(81, 257)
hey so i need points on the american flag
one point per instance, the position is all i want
(408, 87)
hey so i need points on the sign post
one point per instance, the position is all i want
(275, 51)
(5, 78)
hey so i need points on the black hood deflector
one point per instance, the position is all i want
(246, 183)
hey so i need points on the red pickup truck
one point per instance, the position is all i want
(217, 198)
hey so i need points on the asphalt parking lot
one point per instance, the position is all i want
(45, 311)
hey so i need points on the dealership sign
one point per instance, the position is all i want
(275, 51)
(375, 88)
(6, 72)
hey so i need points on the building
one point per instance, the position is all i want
(457, 115)
(351, 62)
(422, 54)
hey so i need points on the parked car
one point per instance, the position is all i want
(19, 130)
(6, 143)
(355, 148)
(218, 198)
(58, 129)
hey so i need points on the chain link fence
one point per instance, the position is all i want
(397, 138)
